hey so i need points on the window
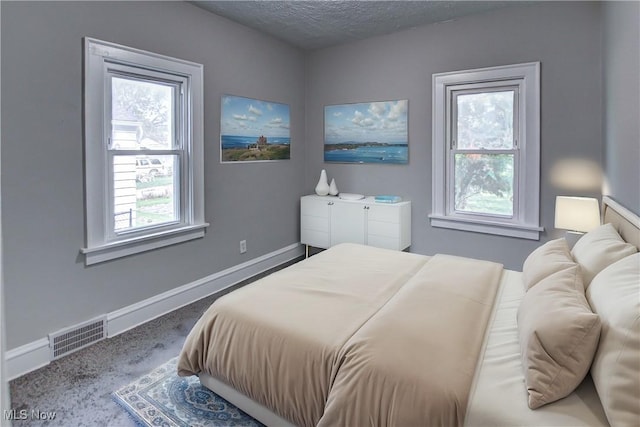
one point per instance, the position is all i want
(486, 150)
(144, 164)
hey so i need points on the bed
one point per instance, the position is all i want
(364, 336)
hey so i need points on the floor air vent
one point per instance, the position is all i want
(72, 339)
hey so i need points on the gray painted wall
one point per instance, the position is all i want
(621, 47)
(47, 286)
(5, 403)
(565, 38)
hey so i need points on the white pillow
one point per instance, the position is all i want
(598, 249)
(558, 336)
(615, 295)
(547, 259)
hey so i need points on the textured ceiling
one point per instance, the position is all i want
(318, 24)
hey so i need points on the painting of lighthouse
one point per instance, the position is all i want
(253, 130)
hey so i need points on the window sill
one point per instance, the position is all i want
(122, 248)
(521, 231)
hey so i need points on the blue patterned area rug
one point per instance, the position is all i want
(162, 398)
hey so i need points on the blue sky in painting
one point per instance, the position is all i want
(251, 117)
(367, 122)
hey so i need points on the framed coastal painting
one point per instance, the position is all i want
(252, 130)
(372, 132)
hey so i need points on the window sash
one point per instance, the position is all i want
(451, 187)
(178, 138)
(127, 72)
(179, 206)
(456, 91)
(451, 117)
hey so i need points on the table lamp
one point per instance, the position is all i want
(577, 215)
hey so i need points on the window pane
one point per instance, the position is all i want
(145, 191)
(484, 183)
(485, 120)
(142, 115)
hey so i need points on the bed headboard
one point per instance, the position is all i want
(626, 222)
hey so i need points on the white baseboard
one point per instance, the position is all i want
(29, 357)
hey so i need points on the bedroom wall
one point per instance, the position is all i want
(47, 286)
(4, 386)
(621, 56)
(564, 37)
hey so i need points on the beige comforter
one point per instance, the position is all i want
(412, 364)
(352, 336)
(277, 340)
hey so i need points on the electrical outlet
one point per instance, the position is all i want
(243, 246)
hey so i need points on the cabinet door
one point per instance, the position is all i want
(347, 223)
(314, 222)
(383, 226)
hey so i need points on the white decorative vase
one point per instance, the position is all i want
(333, 188)
(322, 189)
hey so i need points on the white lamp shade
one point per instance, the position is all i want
(577, 213)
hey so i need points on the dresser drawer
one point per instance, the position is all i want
(385, 242)
(379, 228)
(314, 238)
(315, 223)
(384, 213)
(311, 206)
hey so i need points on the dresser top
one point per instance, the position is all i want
(367, 199)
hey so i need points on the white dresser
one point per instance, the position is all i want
(326, 221)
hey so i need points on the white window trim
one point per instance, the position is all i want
(527, 223)
(100, 244)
